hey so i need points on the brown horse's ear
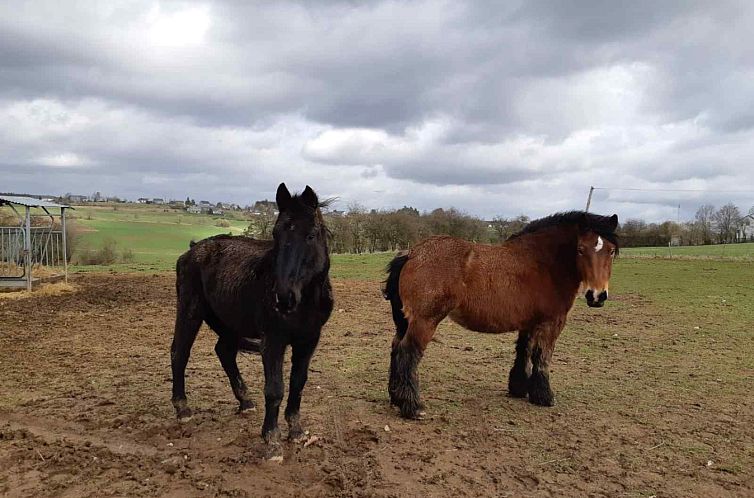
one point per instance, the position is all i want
(614, 222)
(283, 197)
(309, 198)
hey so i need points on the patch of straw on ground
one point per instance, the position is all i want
(51, 289)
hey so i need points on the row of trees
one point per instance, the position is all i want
(361, 230)
(711, 225)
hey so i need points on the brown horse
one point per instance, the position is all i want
(528, 283)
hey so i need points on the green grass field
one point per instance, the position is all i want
(155, 235)
(722, 251)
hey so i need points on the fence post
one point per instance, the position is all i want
(65, 247)
(27, 248)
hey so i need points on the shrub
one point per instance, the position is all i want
(127, 256)
(105, 255)
(222, 223)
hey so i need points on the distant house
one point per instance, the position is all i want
(205, 203)
(143, 200)
(745, 231)
(158, 200)
(194, 210)
(77, 199)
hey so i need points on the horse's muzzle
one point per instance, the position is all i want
(285, 302)
(599, 302)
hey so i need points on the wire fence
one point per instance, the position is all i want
(46, 251)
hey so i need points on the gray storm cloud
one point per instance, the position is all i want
(495, 110)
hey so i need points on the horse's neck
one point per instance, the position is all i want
(555, 249)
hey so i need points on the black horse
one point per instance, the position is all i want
(258, 295)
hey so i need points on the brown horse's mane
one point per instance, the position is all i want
(601, 225)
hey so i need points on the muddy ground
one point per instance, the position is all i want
(642, 409)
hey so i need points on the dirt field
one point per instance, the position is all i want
(647, 405)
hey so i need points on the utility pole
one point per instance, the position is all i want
(589, 199)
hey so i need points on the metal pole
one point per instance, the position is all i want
(27, 249)
(65, 253)
(589, 199)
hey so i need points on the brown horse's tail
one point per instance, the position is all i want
(391, 293)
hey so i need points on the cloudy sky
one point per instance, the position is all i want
(494, 110)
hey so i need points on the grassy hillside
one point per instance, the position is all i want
(155, 235)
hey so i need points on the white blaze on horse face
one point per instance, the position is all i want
(599, 245)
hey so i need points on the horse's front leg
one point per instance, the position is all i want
(518, 378)
(301, 355)
(543, 345)
(273, 351)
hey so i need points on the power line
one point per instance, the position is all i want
(714, 191)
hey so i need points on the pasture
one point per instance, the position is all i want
(653, 397)
(743, 251)
(156, 235)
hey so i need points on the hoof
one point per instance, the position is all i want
(246, 406)
(274, 453)
(182, 411)
(517, 391)
(412, 411)
(297, 436)
(542, 398)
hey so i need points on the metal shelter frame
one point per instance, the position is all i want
(26, 246)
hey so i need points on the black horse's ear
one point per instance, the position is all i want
(309, 198)
(283, 197)
(614, 222)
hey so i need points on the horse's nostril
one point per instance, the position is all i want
(603, 296)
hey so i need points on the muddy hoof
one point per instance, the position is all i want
(517, 391)
(182, 411)
(246, 406)
(412, 411)
(296, 436)
(542, 397)
(274, 453)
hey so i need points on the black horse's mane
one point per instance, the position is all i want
(601, 225)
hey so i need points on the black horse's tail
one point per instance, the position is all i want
(391, 293)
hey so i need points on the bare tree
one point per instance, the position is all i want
(357, 216)
(727, 219)
(262, 222)
(505, 227)
(705, 216)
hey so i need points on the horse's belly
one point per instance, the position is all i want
(477, 322)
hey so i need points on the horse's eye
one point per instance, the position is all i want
(581, 251)
(612, 252)
(310, 236)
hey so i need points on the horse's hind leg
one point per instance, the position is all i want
(404, 379)
(227, 351)
(518, 378)
(186, 328)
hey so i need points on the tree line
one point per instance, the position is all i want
(361, 230)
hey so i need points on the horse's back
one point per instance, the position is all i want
(227, 274)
